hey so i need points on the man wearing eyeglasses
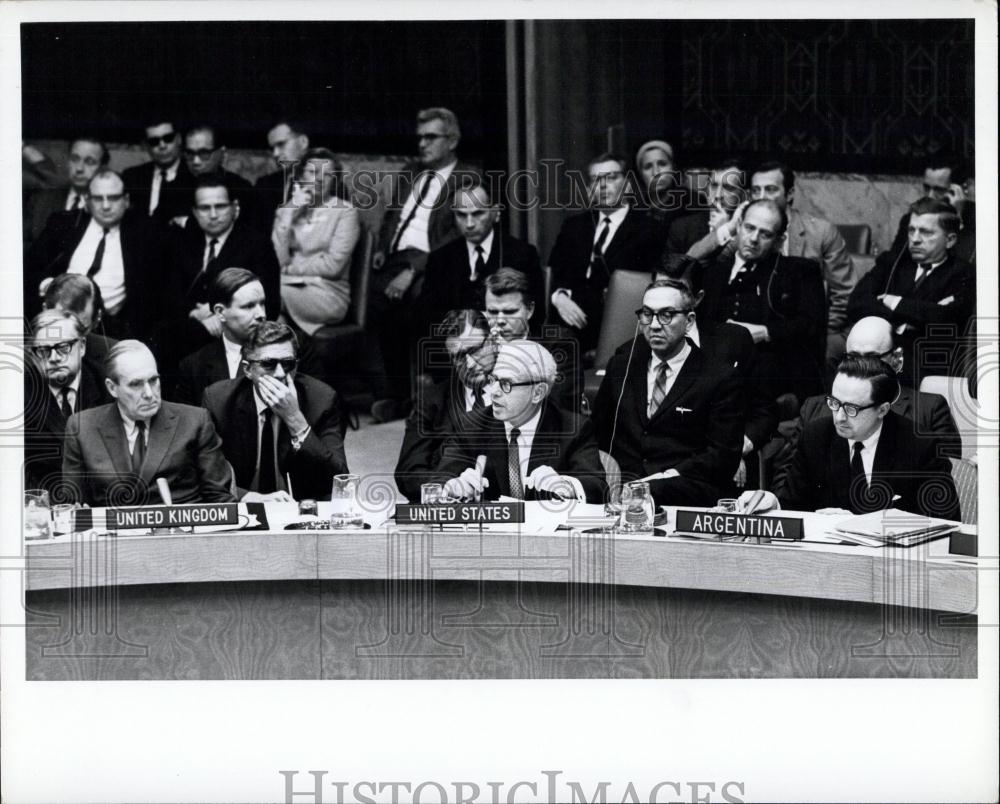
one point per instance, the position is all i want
(533, 449)
(205, 155)
(123, 254)
(58, 383)
(280, 429)
(864, 457)
(114, 454)
(160, 188)
(667, 412)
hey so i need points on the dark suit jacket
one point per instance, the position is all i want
(697, 430)
(321, 456)
(791, 302)
(40, 205)
(175, 197)
(143, 249)
(269, 194)
(685, 232)
(45, 425)
(446, 277)
(563, 441)
(905, 465)
(183, 448)
(199, 370)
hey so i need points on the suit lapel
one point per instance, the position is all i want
(885, 451)
(838, 475)
(685, 379)
(621, 236)
(112, 430)
(243, 433)
(162, 429)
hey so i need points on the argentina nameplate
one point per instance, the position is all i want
(498, 513)
(172, 516)
(714, 523)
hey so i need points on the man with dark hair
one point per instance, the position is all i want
(668, 413)
(114, 454)
(609, 236)
(441, 407)
(58, 383)
(696, 234)
(237, 300)
(76, 294)
(779, 300)
(87, 155)
(927, 293)
(288, 142)
(122, 253)
(865, 457)
(205, 155)
(160, 188)
(280, 429)
(456, 272)
(418, 221)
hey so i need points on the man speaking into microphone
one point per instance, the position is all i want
(530, 449)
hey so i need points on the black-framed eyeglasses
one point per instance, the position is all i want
(289, 364)
(163, 139)
(664, 316)
(850, 409)
(63, 348)
(506, 384)
(203, 153)
(879, 355)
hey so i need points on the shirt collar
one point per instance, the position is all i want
(869, 443)
(220, 239)
(112, 230)
(486, 245)
(231, 347)
(129, 421)
(171, 171)
(73, 385)
(527, 429)
(675, 363)
(616, 215)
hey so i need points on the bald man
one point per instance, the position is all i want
(533, 449)
(928, 413)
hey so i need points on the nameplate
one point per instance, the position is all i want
(172, 516)
(504, 513)
(705, 523)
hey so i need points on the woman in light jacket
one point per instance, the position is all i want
(314, 238)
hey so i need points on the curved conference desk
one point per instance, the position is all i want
(529, 601)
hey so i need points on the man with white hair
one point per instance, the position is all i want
(530, 449)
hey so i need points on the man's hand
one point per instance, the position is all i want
(283, 400)
(468, 485)
(767, 503)
(378, 260)
(274, 496)
(837, 511)
(717, 217)
(302, 196)
(740, 478)
(890, 300)
(545, 478)
(213, 325)
(758, 332)
(569, 310)
(397, 288)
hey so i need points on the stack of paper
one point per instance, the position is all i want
(894, 527)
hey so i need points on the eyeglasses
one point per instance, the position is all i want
(113, 198)
(850, 409)
(664, 316)
(201, 153)
(506, 384)
(879, 355)
(289, 364)
(163, 139)
(42, 352)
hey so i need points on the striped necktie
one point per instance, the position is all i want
(659, 389)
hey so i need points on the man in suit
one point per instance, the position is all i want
(865, 457)
(815, 239)
(237, 299)
(417, 222)
(440, 408)
(114, 454)
(610, 236)
(532, 450)
(668, 413)
(160, 188)
(280, 430)
(927, 414)
(87, 155)
(724, 190)
(779, 300)
(58, 383)
(121, 252)
(205, 155)
(288, 142)
(76, 294)
(927, 293)
(456, 272)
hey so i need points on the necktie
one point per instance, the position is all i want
(597, 255)
(480, 268)
(266, 482)
(425, 178)
(77, 202)
(857, 467)
(745, 268)
(211, 251)
(514, 466)
(922, 272)
(156, 193)
(95, 266)
(67, 408)
(659, 389)
(139, 449)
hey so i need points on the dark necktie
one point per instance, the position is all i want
(924, 272)
(742, 272)
(266, 481)
(480, 269)
(211, 251)
(425, 178)
(139, 450)
(163, 187)
(858, 468)
(77, 202)
(95, 266)
(514, 466)
(597, 255)
(67, 408)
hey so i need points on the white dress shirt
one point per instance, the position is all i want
(416, 235)
(486, 246)
(154, 190)
(869, 445)
(71, 199)
(74, 391)
(676, 363)
(111, 278)
(525, 439)
(131, 431)
(220, 242)
(234, 356)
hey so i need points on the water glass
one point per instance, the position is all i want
(727, 505)
(37, 515)
(613, 505)
(344, 509)
(431, 493)
(637, 508)
(62, 518)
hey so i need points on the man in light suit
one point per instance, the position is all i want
(533, 450)
(666, 412)
(280, 429)
(113, 454)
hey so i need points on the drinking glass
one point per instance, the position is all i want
(431, 492)
(345, 512)
(637, 508)
(727, 505)
(613, 505)
(62, 518)
(37, 515)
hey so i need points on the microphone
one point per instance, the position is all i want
(164, 489)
